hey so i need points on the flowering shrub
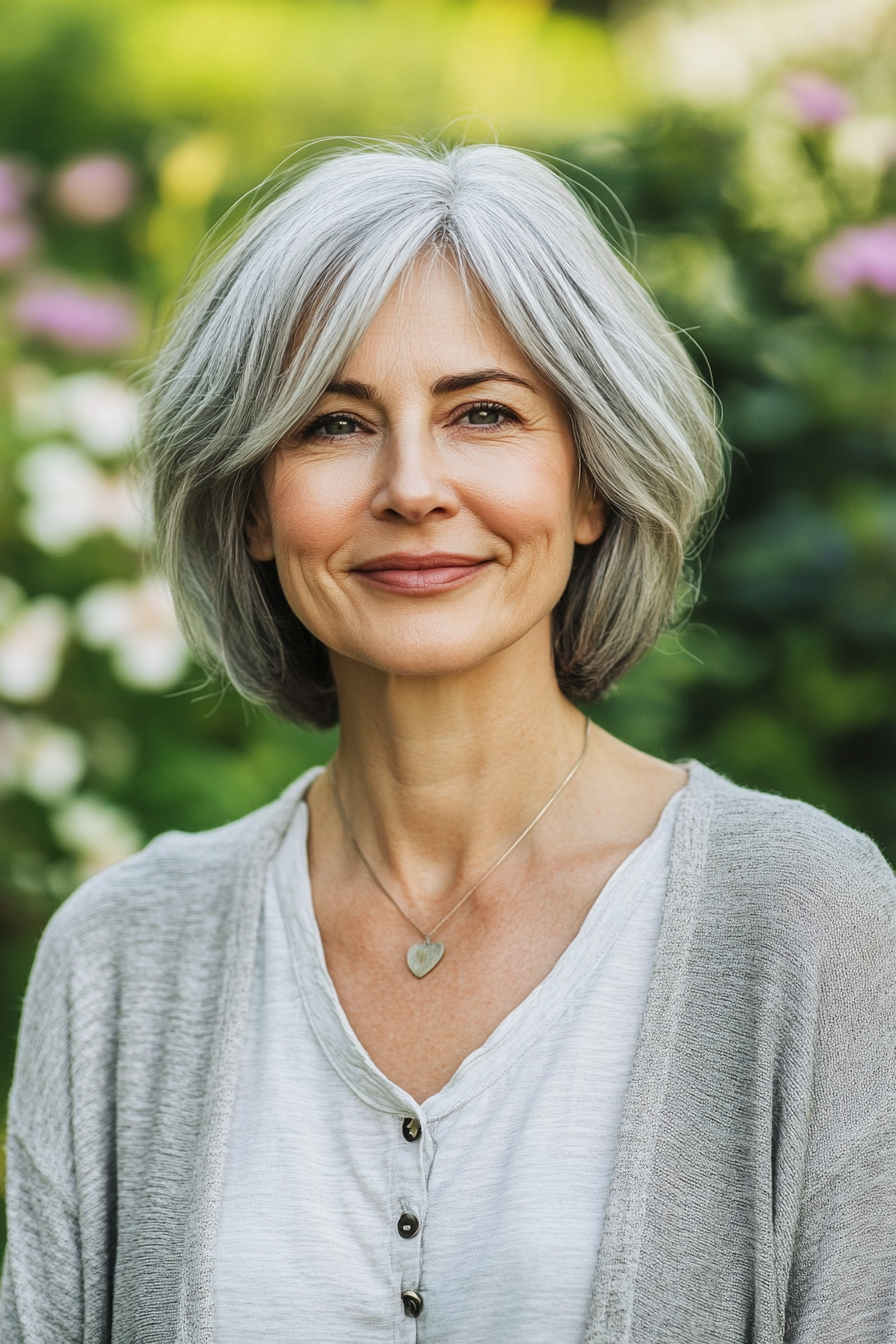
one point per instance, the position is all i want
(817, 100)
(773, 245)
(859, 256)
(75, 318)
(96, 189)
(767, 231)
(136, 623)
(17, 240)
(39, 758)
(32, 638)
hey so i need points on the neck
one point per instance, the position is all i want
(438, 773)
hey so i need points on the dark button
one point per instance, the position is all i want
(412, 1302)
(410, 1129)
(408, 1226)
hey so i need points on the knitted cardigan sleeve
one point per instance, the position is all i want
(42, 1294)
(61, 1168)
(841, 1286)
(754, 1194)
(118, 1087)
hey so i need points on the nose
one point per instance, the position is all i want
(413, 485)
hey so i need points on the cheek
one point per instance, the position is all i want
(530, 504)
(313, 508)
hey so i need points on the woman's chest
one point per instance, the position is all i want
(493, 955)
(342, 1193)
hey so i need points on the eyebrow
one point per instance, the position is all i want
(348, 388)
(459, 382)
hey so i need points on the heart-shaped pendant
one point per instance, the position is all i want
(422, 957)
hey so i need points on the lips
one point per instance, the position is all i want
(405, 572)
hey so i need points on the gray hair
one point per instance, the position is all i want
(276, 315)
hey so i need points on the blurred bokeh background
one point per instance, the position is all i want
(741, 153)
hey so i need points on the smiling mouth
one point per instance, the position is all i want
(404, 573)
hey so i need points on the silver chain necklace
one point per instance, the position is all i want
(423, 957)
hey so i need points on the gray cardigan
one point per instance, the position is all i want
(754, 1194)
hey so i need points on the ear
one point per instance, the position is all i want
(591, 518)
(257, 526)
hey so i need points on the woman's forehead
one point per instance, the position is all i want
(434, 321)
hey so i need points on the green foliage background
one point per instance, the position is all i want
(785, 677)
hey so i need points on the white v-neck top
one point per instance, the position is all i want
(503, 1192)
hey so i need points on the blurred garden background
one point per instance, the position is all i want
(741, 153)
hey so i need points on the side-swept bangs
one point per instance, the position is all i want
(273, 320)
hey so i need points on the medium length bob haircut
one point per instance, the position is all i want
(277, 314)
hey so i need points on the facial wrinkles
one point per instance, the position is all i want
(417, 480)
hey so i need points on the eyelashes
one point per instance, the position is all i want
(487, 408)
(317, 429)
(484, 416)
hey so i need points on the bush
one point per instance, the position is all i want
(768, 238)
(786, 679)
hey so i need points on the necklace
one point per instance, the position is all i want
(423, 957)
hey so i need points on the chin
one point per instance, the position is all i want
(447, 655)
(445, 663)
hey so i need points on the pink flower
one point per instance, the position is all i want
(96, 189)
(13, 187)
(817, 100)
(17, 238)
(75, 318)
(859, 256)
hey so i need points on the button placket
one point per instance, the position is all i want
(411, 1168)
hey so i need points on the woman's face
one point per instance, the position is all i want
(423, 516)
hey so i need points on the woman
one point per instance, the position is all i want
(497, 1029)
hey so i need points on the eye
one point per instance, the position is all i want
(333, 426)
(486, 415)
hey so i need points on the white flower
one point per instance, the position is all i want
(71, 499)
(136, 623)
(52, 761)
(32, 639)
(865, 143)
(11, 599)
(715, 53)
(98, 410)
(97, 832)
(41, 758)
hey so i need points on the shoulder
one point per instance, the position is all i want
(175, 887)
(791, 862)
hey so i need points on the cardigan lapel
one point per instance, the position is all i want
(613, 1301)
(196, 1308)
